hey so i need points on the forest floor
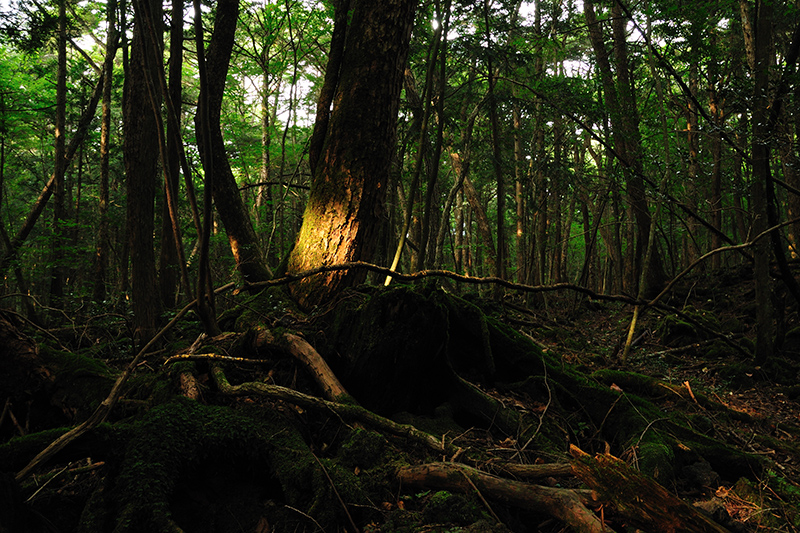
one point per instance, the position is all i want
(767, 399)
(693, 374)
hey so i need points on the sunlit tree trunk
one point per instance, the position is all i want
(345, 205)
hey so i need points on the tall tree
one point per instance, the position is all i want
(60, 166)
(763, 60)
(102, 245)
(345, 205)
(621, 103)
(168, 267)
(241, 235)
(141, 169)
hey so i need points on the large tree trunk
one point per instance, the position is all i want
(141, 169)
(345, 205)
(241, 235)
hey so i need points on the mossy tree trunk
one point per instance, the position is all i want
(345, 206)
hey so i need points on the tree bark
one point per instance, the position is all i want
(627, 138)
(760, 160)
(60, 167)
(641, 500)
(345, 205)
(168, 261)
(102, 246)
(141, 170)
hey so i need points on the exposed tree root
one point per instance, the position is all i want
(301, 350)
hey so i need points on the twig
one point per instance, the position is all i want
(46, 483)
(298, 511)
(478, 492)
(689, 388)
(338, 496)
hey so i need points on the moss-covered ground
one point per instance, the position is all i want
(496, 380)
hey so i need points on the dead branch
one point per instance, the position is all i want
(290, 278)
(566, 505)
(345, 411)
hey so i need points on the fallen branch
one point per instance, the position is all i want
(349, 412)
(566, 505)
(290, 278)
(536, 471)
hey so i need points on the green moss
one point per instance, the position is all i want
(362, 449)
(81, 383)
(692, 327)
(18, 452)
(182, 439)
(449, 508)
(657, 460)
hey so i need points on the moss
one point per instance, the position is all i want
(81, 382)
(692, 327)
(182, 439)
(362, 449)
(18, 452)
(657, 460)
(458, 509)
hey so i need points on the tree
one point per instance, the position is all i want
(345, 204)
(231, 210)
(141, 169)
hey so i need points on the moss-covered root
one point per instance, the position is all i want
(189, 465)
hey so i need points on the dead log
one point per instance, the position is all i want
(540, 471)
(644, 503)
(568, 506)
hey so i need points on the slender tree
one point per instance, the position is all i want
(141, 169)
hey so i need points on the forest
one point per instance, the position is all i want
(409, 265)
